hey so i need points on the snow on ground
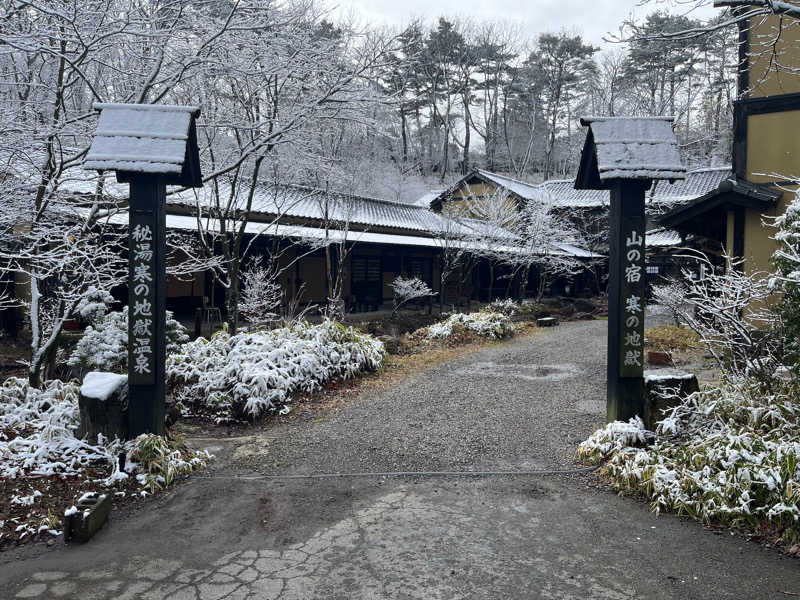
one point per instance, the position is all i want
(43, 464)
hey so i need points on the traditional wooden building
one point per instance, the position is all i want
(588, 209)
(384, 239)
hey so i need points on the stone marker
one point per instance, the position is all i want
(86, 517)
(103, 405)
(547, 322)
(665, 389)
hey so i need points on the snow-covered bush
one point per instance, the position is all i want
(786, 278)
(104, 346)
(729, 311)
(485, 323)
(94, 304)
(36, 430)
(507, 307)
(728, 454)
(261, 294)
(157, 461)
(248, 374)
(407, 289)
(668, 299)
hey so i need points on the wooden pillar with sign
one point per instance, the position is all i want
(149, 147)
(147, 294)
(624, 155)
(627, 285)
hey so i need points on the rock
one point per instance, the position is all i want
(103, 405)
(584, 316)
(391, 343)
(659, 359)
(172, 413)
(582, 305)
(665, 389)
(547, 322)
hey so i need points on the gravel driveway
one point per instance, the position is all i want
(523, 405)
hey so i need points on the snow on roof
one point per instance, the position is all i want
(635, 148)
(662, 238)
(141, 138)
(697, 183)
(561, 193)
(425, 201)
(528, 191)
(309, 203)
(318, 234)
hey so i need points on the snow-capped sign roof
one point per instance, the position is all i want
(641, 148)
(147, 139)
(662, 238)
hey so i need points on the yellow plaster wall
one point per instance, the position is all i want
(769, 74)
(773, 146)
(758, 243)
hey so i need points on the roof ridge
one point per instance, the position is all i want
(533, 185)
(338, 193)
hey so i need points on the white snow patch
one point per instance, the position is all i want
(665, 374)
(101, 385)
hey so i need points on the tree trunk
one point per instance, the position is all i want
(404, 134)
(467, 128)
(232, 300)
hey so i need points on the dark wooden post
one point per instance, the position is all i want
(626, 300)
(624, 155)
(149, 147)
(147, 305)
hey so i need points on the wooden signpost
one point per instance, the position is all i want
(149, 147)
(625, 155)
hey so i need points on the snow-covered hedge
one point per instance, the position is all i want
(248, 374)
(37, 438)
(36, 431)
(728, 454)
(485, 323)
(104, 346)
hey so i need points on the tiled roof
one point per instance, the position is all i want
(634, 148)
(662, 238)
(527, 191)
(561, 193)
(309, 203)
(696, 184)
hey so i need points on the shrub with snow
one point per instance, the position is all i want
(104, 346)
(728, 454)
(507, 307)
(157, 461)
(406, 290)
(36, 431)
(249, 374)
(485, 323)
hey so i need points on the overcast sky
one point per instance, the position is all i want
(592, 18)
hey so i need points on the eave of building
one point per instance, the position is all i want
(730, 194)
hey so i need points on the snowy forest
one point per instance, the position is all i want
(289, 94)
